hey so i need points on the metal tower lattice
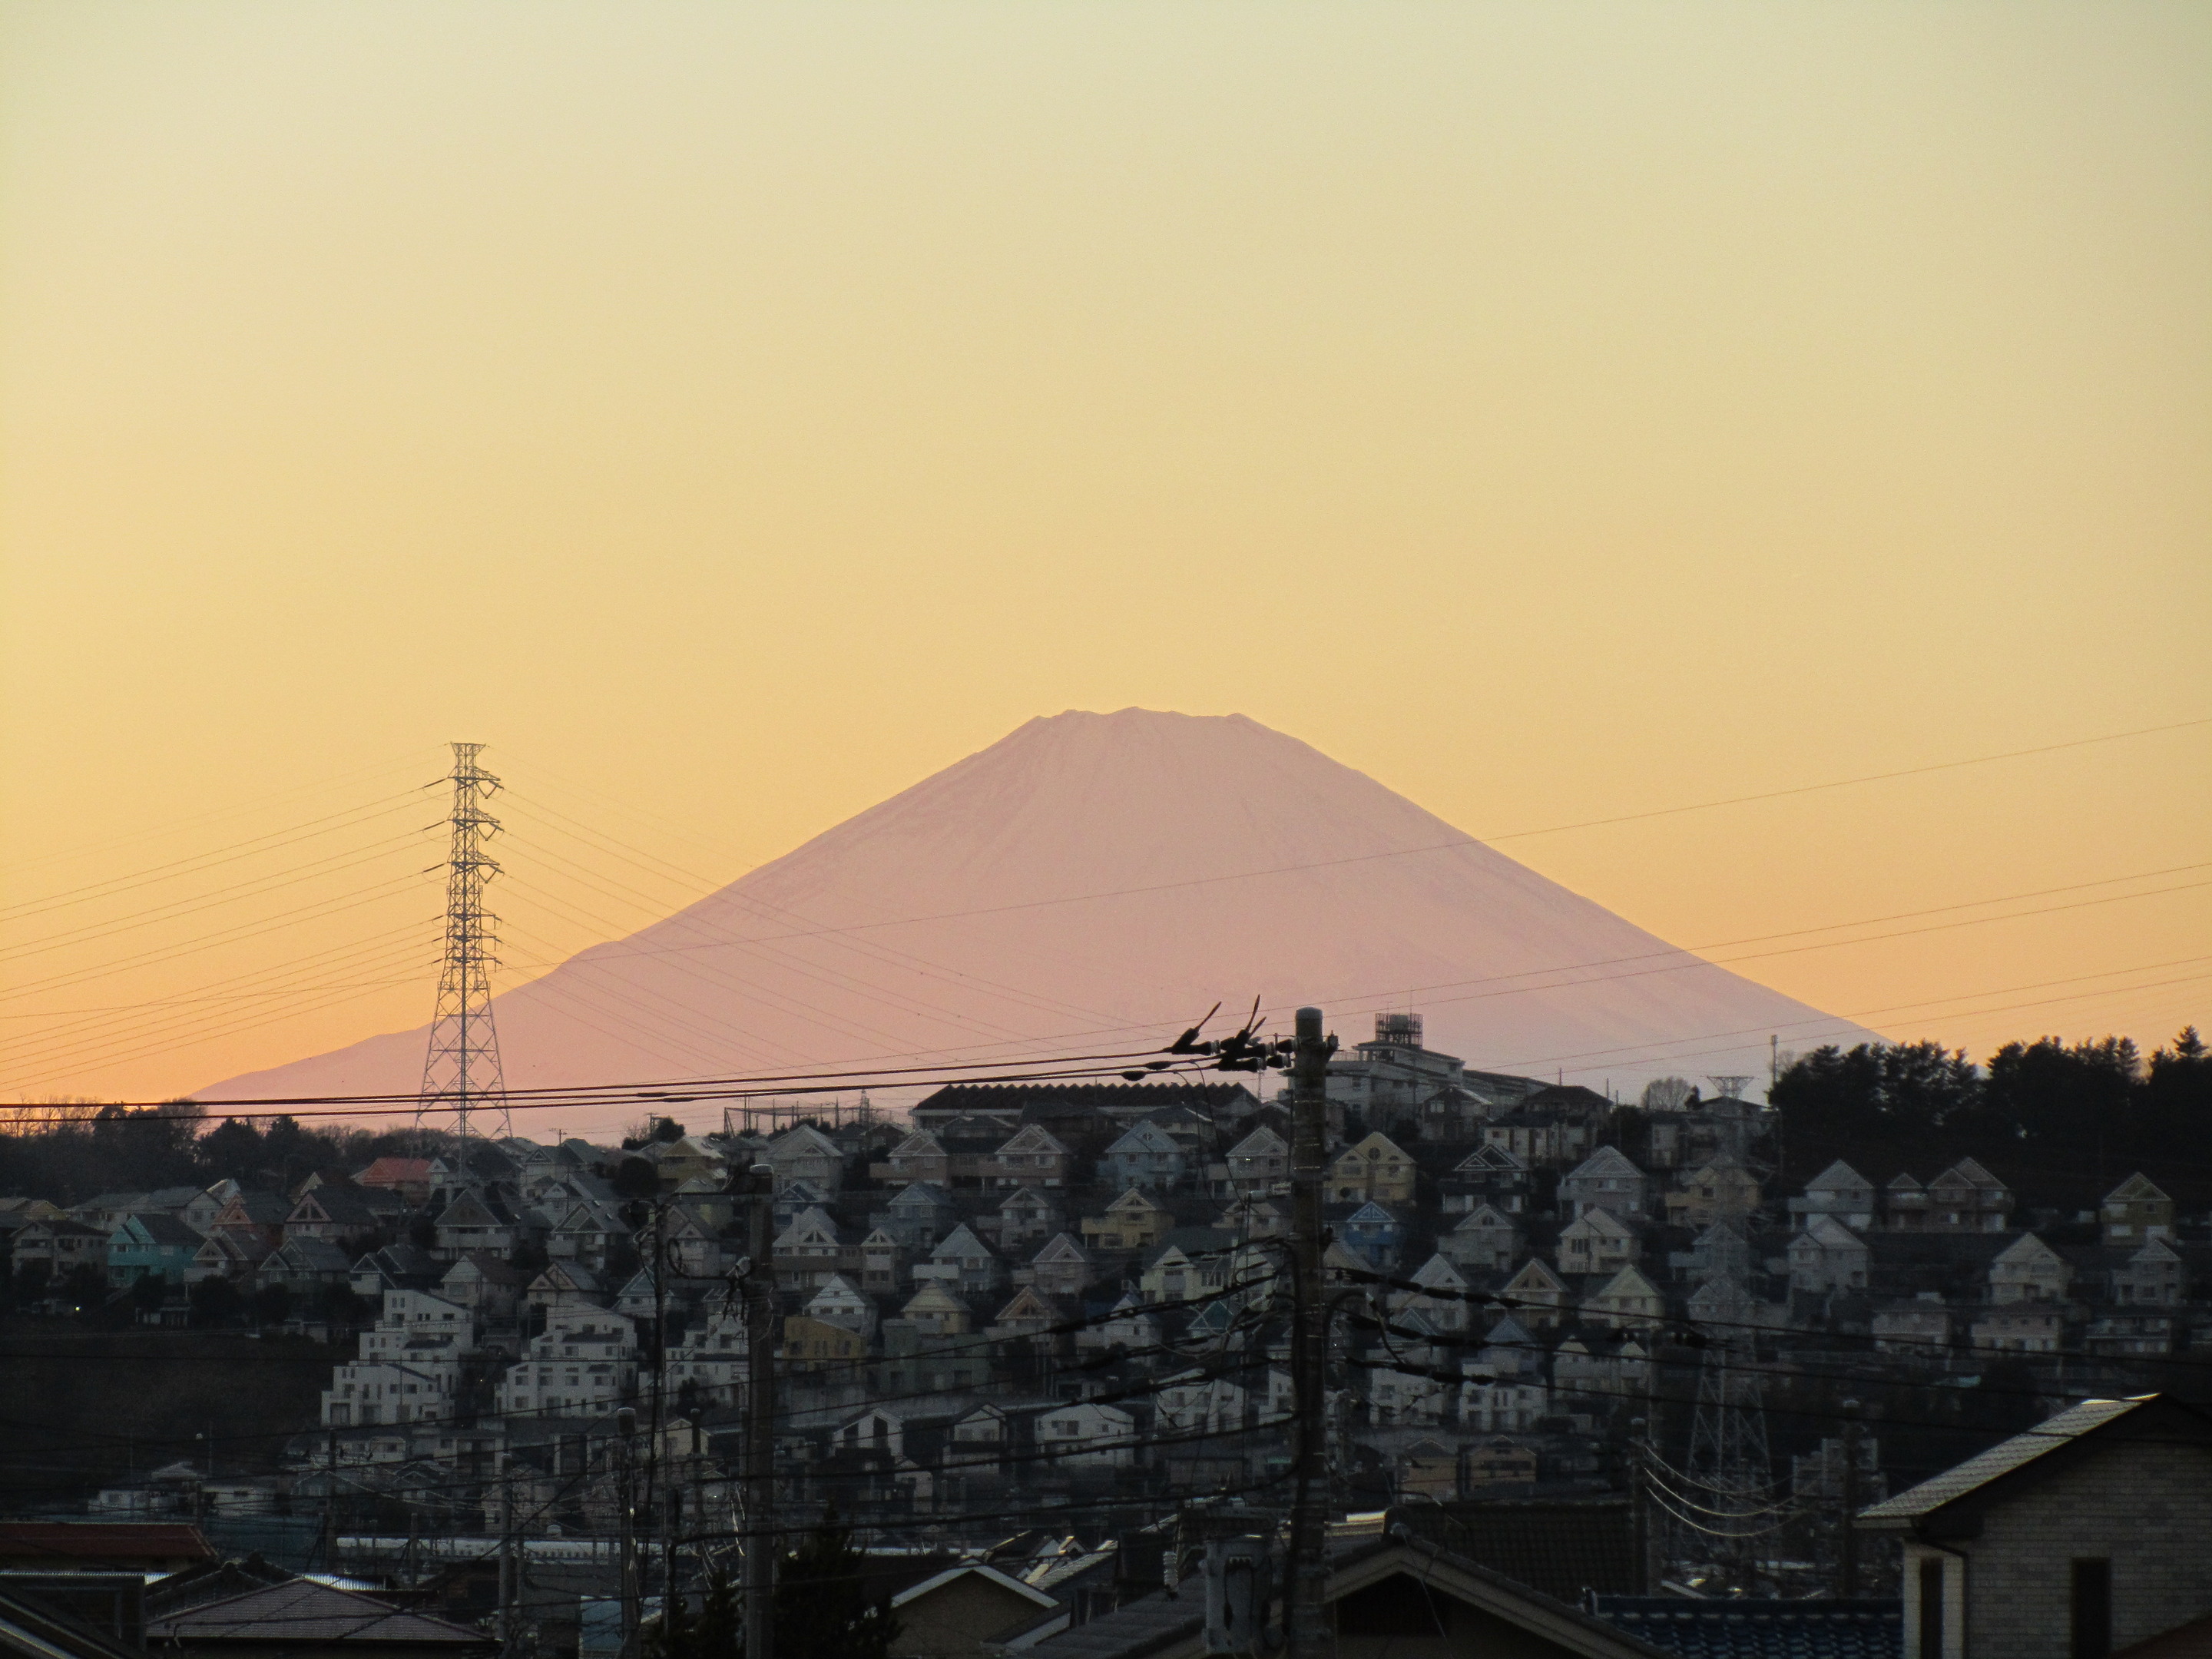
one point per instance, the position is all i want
(461, 1071)
(1729, 1468)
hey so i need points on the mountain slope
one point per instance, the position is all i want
(1092, 878)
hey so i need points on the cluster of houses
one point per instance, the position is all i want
(1067, 1287)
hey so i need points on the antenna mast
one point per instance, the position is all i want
(461, 1069)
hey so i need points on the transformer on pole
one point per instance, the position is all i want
(461, 1070)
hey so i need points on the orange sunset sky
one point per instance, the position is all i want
(731, 414)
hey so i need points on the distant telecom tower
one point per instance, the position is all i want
(461, 1072)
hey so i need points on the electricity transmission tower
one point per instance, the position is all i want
(1730, 1471)
(461, 1071)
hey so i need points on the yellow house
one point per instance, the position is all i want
(1134, 1221)
(811, 1344)
(1376, 1170)
(1720, 1191)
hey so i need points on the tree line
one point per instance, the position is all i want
(2060, 1123)
(68, 1151)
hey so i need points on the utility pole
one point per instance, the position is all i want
(331, 1505)
(760, 1418)
(461, 1067)
(510, 1642)
(648, 1507)
(625, 1430)
(1847, 1546)
(1639, 1499)
(1305, 1623)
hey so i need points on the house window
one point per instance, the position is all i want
(2092, 1608)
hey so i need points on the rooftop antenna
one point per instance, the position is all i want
(461, 1070)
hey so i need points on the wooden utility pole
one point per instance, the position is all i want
(1306, 1612)
(760, 1418)
(510, 1633)
(625, 1497)
(1847, 1544)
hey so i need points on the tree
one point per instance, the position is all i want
(213, 1300)
(2173, 1102)
(1895, 1097)
(2072, 1101)
(1665, 1094)
(821, 1606)
(717, 1631)
(272, 1303)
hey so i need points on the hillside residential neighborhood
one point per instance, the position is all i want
(1070, 1299)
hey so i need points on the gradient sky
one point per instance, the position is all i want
(1555, 411)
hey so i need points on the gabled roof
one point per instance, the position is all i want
(1136, 1198)
(1534, 1276)
(346, 1206)
(1837, 1178)
(1490, 1157)
(2156, 1252)
(1437, 1274)
(934, 1297)
(962, 1245)
(2025, 1250)
(2137, 1188)
(1062, 1246)
(1147, 1136)
(1485, 1218)
(1968, 1172)
(838, 1289)
(1026, 1303)
(161, 1229)
(974, 1571)
(1830, 1234)
(1262, 1142)
(1508, 1332)
(1376, 1213)
(1599, 1222)
(317, 1256)
(302, 1611)
(1628, 1285)
(2024, 1456)
(1607, 1161)
(920, 1194)
(1371, 1148)
(491, 1268)
(811, 1224)
(805, 1139)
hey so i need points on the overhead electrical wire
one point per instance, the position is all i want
(243, 808)
(256, 846)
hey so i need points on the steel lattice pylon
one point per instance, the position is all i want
(461, 1071)
(1729, 1468)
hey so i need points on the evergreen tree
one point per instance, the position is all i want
(821, 1606)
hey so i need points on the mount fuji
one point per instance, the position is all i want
(1095, 882)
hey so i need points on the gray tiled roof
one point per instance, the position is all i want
(1747, 1629)
(2003, 1459)
(1135, 1628)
